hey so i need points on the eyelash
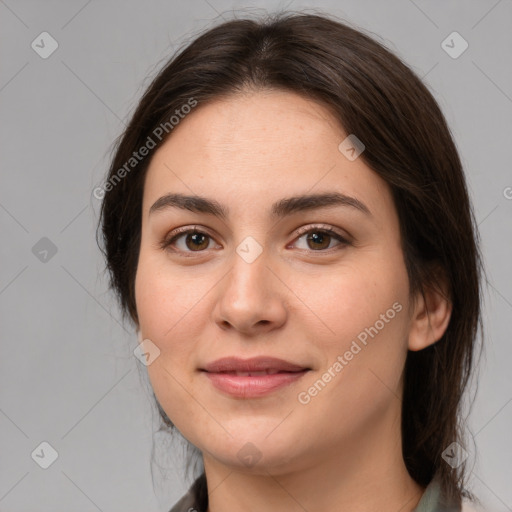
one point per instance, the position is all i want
(323, 229)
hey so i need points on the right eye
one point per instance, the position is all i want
(187, 240)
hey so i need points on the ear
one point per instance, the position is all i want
(432, 313)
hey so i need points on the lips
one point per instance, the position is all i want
(252, 378)
(254, 374)
(263, 365)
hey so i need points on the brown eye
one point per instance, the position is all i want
(194, 241)
(320, 239)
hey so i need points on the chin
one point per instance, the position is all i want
(255, 451)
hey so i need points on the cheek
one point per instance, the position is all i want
(163, 299)
(164, 312)
(168, 318)
(364, 313)
(345, 300)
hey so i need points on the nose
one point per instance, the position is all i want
(251, 297)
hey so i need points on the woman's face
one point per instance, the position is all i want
(266, 279)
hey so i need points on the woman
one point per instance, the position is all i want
(287, 224)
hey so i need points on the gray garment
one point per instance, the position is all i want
(431, 501)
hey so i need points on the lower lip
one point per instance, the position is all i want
(252, 386)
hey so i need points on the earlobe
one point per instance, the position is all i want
(431, 317)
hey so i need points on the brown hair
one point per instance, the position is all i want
(375, 96)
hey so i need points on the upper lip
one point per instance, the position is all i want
(254, 364)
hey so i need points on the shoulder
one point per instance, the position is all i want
(195, 499)
(186, 503)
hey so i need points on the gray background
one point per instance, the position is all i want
(68, 375)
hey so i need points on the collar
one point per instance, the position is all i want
(196, 499)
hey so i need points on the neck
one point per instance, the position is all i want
(364, 475)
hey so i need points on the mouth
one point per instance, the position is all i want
(272, 371)
(262, 364)
(252, 378)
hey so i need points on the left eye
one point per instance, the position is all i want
(321, 239)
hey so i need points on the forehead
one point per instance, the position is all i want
(265, 123)
(256, 148)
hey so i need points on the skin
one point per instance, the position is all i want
(299, 301)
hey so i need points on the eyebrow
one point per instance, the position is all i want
(279, 209)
